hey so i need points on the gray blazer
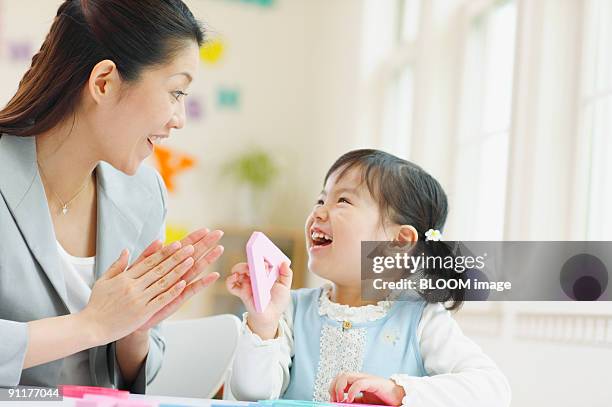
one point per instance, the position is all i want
(131, 213)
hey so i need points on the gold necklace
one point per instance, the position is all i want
(64, 204)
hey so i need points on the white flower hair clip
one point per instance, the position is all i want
(433, 234)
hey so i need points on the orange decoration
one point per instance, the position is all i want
(170, 163)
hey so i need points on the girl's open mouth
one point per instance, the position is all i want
(320, 239)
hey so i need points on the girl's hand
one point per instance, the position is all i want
(264, 324)
(373, 389)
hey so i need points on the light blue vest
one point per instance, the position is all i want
(391, 343)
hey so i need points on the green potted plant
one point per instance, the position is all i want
(253, 171)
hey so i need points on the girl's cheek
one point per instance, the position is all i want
(307, 223)
(310, 219)
(336, 212)
(342, 218)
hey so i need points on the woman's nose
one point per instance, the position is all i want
(178, 118)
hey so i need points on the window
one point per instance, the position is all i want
(409, 12)
(396, 70)
(397, 120)
(484, 113)
(596, 115)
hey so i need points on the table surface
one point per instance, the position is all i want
(160, 399)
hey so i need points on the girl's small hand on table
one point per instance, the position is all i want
(373, 389)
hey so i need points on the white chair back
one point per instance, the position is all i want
(198, 355)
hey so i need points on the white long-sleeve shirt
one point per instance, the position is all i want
(79, 277)
(460, 374)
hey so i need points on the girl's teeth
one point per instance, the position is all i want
(316, 235)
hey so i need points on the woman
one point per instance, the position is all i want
(107, 83)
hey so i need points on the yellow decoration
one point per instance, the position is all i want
(174, 233)
(212, 51)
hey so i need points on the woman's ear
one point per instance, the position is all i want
(103, 81)
(407, 234)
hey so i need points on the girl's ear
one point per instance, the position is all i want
(407, 234)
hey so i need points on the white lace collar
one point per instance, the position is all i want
(341, 312)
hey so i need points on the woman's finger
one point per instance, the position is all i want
(153, 260)
(169, 279)
(118, 266)
(166, 297)
(207, 243)
(198, 285)
(202, 264)
(194, 237)
(209, 279)
(163, 268)
(152, 248)
(185, 295)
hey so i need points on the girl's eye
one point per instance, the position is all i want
(178, 95)
(319, 202)
(343, 200)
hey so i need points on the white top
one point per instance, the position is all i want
(460, 374)
(79, 277)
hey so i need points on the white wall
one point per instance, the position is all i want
(298, 65)
(267, 58)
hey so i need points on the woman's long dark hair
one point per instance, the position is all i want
(134, 34)
(407, 195)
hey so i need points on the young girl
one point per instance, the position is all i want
(326, 344)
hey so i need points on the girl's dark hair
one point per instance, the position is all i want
(406, 195)
(134, 34)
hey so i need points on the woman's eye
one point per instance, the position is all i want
(343, 200)
(319, 202)
(178, 95)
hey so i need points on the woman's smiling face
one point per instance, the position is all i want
(142, 113)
